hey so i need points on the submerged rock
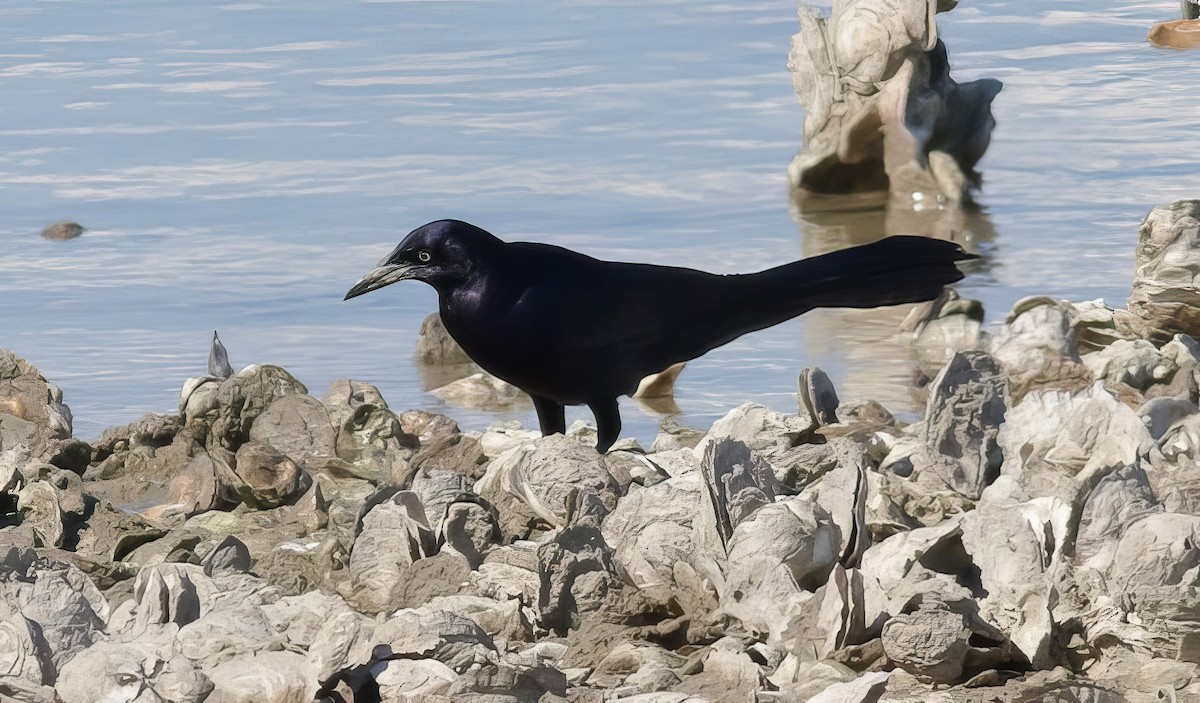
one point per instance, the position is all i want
(62, 230)
(482, 391)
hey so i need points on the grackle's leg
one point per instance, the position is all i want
(608, 422)
(552, 416)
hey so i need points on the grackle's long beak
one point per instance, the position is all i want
(385, 275)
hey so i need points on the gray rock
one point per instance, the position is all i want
(805, 679)
(345, 393)
(38, 503)
(1094, 325)
(412, 679)
(165, 593)
(944, 326)
(198, 400)
(886, 513)
(343, 641)
(25, 656)
(25, 394)
(1019, 552)
(507, 684)
(372, 443)
(63, 230)
(776, 553)
(508, 572)
(629, 658)
(529, 484)
(394, 535)
(652, 532)
(67, 607)
(428, 633)
(1133, 363)
(1173, 472)
(1160, 549)
(506, 621)
(738, 481)
(427, 426)
(848, 609)
(342, 500)
(578, 574)
(242, 397)
(229, 555)
(1037, 348)
(1054, 440)
(962, 420)
(1161, 415)
(891, 561)
(469, 527)
(297, 566)
(437, 488)
(436, 346)
(945, 642)
(843, 493)
(298, 426)
(196, 488)
(302, 618)
(729, 674)
(770, 434)
(124, 671)
(456, 453)
(114, 535)
(263, 677)
(1164, 300)
(267, 478)
(672, 436)
(817, 396)
(221, 634)
(260, 530)
(444, 574)
(1117, 501)
(864, 689)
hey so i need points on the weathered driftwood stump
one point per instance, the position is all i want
(882, 113)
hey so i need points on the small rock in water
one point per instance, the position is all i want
(436, 346)
(661, 384)
(64, 230)
(482, 391)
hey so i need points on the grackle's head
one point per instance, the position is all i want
(442, 253)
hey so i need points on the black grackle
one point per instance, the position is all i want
(569, 330)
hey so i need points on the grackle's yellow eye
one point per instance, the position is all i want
(424, 256)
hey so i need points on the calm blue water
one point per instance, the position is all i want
(240, 166)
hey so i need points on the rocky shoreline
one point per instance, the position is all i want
(1036, 537)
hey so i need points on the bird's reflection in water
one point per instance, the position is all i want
(879, 361)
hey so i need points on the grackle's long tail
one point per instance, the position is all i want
(891, 271)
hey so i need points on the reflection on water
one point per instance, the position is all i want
(878, 359)
(239, 165)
